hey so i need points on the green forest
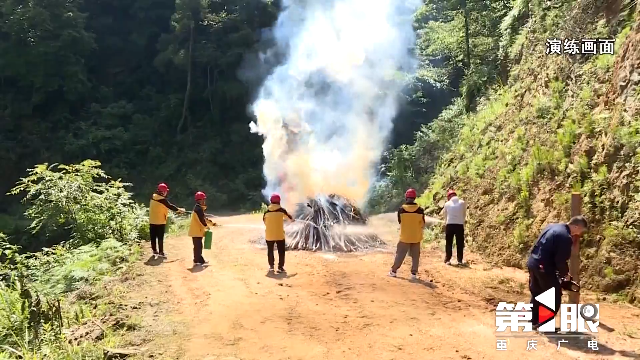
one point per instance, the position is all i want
(131, 93)
(156, 91)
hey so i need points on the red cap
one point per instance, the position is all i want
(200, 196)
(451, 193)
(411, 193)
(163, 187)
(275, 198)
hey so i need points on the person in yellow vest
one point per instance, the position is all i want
(412, 221)
(199, 224)
(159, 208)
(274, 233)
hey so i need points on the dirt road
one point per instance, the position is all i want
(346, 307)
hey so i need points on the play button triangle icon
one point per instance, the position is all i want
(548, 299)
(544, 314)
(545, 307)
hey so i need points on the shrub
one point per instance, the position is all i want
(32, 289)
(177, 225)
(263, 208)
(82, 200)
(102, 222)
(62, 270)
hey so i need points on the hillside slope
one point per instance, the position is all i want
(561, 123)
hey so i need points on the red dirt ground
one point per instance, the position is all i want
(344, 306)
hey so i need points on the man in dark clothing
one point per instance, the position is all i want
(547, 262)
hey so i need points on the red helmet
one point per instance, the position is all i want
(163, 187)
(411, 193)
(200, 196)
(451, 193)
(275, 198)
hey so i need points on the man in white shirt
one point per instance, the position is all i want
(455, 214)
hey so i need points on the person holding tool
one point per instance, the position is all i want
(159, 208)
(412, 222)
(547, 263)
(199, 224)
(273, 220)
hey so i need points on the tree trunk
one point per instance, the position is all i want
(467, 54)
(504, 68)
(185, 107)
(210, 88)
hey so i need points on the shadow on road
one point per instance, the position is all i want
(580, 342)
(605, 327)
(198, 268)
(274, 275)
(464, 266)
(153, 261)
(428, 284)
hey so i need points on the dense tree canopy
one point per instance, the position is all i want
(150, 88)
(159, 90)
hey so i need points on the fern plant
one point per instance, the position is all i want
(82, 200)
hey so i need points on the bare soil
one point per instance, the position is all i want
(341, 306)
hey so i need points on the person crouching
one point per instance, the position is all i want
(199, 224)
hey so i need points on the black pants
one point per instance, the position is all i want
(281, 245)
(156, 233)
(197, 250)
(539, 282)
(451, 231)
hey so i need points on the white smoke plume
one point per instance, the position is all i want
(327, 111)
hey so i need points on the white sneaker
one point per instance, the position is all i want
(392, 274)
(414, 277)
(271, 269)
(447, 263)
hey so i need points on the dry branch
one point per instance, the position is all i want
(319, 224)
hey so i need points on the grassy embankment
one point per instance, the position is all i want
(561, 124)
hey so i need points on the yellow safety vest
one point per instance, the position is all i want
(157, 211)
(411, 223)
(274, 221)
(196, 229)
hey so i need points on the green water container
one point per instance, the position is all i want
(207, 239)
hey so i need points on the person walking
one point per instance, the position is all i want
(199, 224)
(159, 208)
(273, 220)
(547, 263)
(454, 214)
(412, 222)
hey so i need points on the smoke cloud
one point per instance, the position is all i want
(327, 111)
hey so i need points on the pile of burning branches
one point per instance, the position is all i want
(321, 225)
